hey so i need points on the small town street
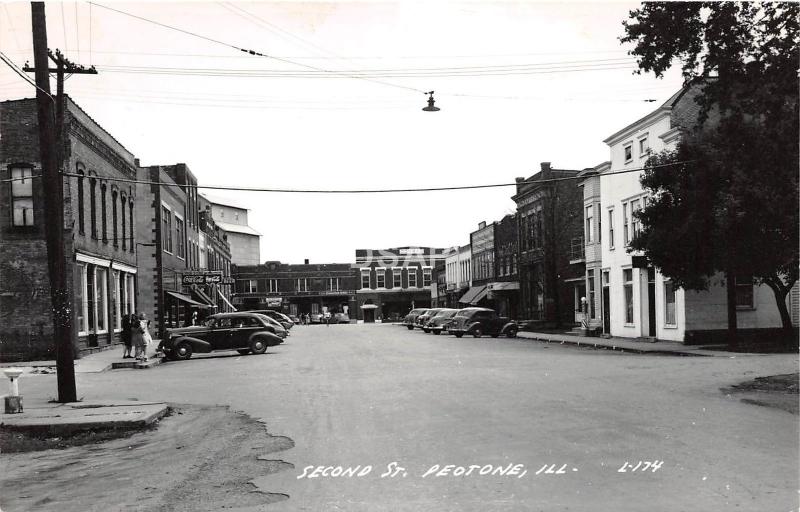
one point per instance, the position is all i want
(360, 395)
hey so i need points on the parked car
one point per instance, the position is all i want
(437, 324)
(284, 320)
(276, 326)
(412, 315)
(341, 318)
(480, 321)
(422, 319)
(316, 318)
(244, 332)
(295, 320)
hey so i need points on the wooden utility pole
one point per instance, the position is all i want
(51, 151)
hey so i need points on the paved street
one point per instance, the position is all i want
(358, 395)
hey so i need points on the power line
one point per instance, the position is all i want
(25, 77)
(255, 53)
(376, 191)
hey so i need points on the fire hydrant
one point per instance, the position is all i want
(13, 401)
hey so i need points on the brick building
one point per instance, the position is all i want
(394, 281)
(550, 246)
(296, 289)
(99, 219)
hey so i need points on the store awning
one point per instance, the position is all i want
(203, 297)
(225, 299)
(473, 295)
(188, 300)
(504, 285)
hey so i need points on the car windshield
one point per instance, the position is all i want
(447, 314)
(464, 312)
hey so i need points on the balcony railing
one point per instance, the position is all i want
(577, 249)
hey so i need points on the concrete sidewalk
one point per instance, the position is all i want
(95, 362)
(56, 418)
(629, 345)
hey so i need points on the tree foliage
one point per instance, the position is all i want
(734, 206)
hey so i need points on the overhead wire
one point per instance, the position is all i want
(22, 74)
(256, 53)
(379, 191)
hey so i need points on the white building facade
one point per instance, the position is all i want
(636, 300)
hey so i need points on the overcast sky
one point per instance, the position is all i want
(517, 83)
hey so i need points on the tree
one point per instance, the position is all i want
(733, 207)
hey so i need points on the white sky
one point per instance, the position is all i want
(344, 133)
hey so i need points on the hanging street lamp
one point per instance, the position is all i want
(430, 107)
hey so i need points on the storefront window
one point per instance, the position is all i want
(669, 303)
(627, 284)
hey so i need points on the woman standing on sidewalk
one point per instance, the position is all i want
(137, 336)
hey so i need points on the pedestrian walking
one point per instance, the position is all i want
(125, 336)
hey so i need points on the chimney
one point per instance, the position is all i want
(482, 224)
(136, 162)
(305, 261)
(545, 166)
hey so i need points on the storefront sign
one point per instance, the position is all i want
(209, 277)
(274, 302)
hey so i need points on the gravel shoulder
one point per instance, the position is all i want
(197, 459)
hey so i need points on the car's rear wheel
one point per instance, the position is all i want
(244, 351)
(410, 327)
(477, 332)
(459, 334)
(258, 346)
(436, 332)
(512, 332)
(426, 331)
(183, 351)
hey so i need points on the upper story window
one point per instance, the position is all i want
(93, 207)
(644, 147)
(610, 228)
(114, 230)
(637, 225)
(272, 285)
(22, 196)
(179, 248)
(365, 281)
(252, 286)
(81, 200)
(427, 276)
(397, 280)
(104, 212)
(589, 226)
(412, 277)
(123, 201)
(380, 277)
(166, 229)
(302, 284)
(333, 284)
(625, 234)
(628, 150)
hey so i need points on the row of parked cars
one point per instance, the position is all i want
(246, 332)
(473, 321)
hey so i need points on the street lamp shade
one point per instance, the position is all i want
(430, 107)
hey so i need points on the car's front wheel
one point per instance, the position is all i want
(183, 351)
(410, 327)
(511, 333)
(477, 332)
(426, 331)
(258, 346)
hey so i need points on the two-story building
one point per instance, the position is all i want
(394, 281)
(596, 293)
(296, 289)
(458, 274)
(643, 303)
(550, 246)
(99, 219)
(171, 282)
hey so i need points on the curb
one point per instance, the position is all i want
(609, 346)
(59, 426)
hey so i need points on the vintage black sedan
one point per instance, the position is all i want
(243, 332)
(480, 321)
